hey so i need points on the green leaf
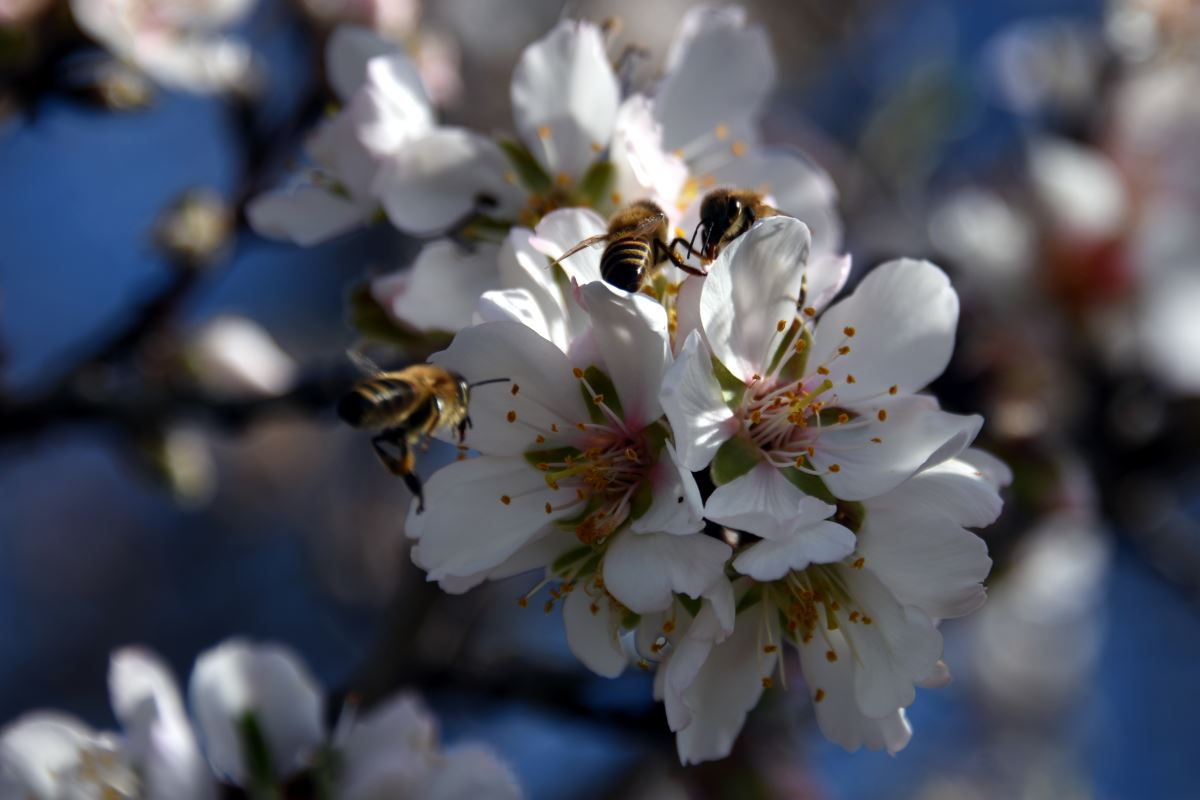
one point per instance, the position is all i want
(734, 459)
(595, 186)
(529, 171)
(372, 322)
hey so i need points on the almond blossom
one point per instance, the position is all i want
(177, 44)
(259, 716)
(864, 627)
(582, 484)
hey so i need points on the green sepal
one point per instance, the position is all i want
(603, 385)
(570, 557)
(486, 228)
(690, 604)
(372, 322)
(732, 387)
(643, 498)
(656, 436)
(750, 598)
(529, 171)
(794, 369)
(596, 184)
(630, 620)
(734, 459)
(850, 513)
(256, 754)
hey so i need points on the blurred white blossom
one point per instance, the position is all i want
(180, 45)
(233, 356)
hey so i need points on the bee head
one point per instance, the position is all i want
(723, 217)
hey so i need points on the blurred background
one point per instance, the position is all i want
(155, 490)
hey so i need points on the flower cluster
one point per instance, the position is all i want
(258, 727)
(710, 480)
(580, 142)
(714, 471)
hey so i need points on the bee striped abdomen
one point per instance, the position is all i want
(377, 403)
(623, 263)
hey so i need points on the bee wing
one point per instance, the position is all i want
(591, 241)
(364, 364)
(645, 226)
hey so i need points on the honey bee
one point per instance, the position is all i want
(726, 214)
(405, 407)
(635, 244)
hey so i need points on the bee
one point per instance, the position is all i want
(635, 244)
(405, 407)
(726, 214)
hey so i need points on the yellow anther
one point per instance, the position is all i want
(770, 648)
(850, 378)
(767, 683)
(543, 132)
(849, 330)
(810, 312)
(843, 350)
(597, 147)
(859, 562)
(581, 426)
(563, 180)
(540, 439)
(615, 197)
(549, 508)
(511, 416)
(577, 372)
(598, 399)
(818, 695)
(781, 325)
(835, 468)
(843, 418)
(523, 602)
(822, 370)
(831, 656)
(515, 389)
(882, 414)
(505, 499)
(738, 148)
(722, 131)
(893, 389)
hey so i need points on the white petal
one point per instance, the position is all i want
(993, 469)
(466, 527)
(391, 110)
(37, 749)
(522, 266)
(899, 648)
(515, 305)
(765, 503)
(631, 334)
(819, 543)
(592, 633)
(687, 310)
(469, 772)
(725, 689)
(442, 287)
(954, 488)
(922, 555)
(695, 407)
(685, 660)
(335, 146)
(837, 711)
(718, 72)
(269, 681)
(400, 729)
(561, 230)
(676, 506)
(346, 55)
(564, 98)
(904, 314)
(826, 275)
(547, 394)
(160, 741)
(752, 285)
(796, 186)
(1080, 187)
(913, 433)
(305, 214)
(644, 169)
(645, 570)
(438, 179)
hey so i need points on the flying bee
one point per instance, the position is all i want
(405, 407)
(635, 244)
(726, 214)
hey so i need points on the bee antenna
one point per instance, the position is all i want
(691, 251)
(489, 380)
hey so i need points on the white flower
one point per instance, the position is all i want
(719, 73)
(233, 356)
(52, 756)
(392, 752)
(825, 396)
(582, 484)
(385, 108)
(178, 44)
(864, 626)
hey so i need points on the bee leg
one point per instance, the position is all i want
(462, 429)
(662, 251)
(402, 466)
